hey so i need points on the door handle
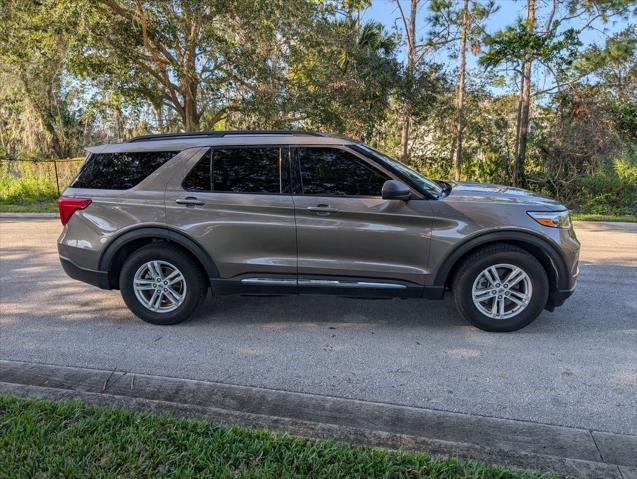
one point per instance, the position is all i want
(190, 201)
(322, 209)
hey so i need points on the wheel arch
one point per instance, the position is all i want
(545, 252)
(123, 245)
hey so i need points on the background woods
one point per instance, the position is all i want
(546, 100)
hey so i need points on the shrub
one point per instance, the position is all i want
(612, 188)
(34, 181)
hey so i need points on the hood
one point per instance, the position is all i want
(490, 193)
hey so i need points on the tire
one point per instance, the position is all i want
(514, 298)
(173, 303)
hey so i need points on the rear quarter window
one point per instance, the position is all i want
(119, 171)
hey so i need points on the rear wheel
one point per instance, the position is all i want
(162, 284)
(500, 288)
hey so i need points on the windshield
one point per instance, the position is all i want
(421, 181)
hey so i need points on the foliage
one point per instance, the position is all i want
(79, 72)
(613, 187)
(69, 439)
(34, 181)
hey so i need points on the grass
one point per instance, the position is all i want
(40, 438)
(41, 206)
(595, 217)
(30, 186)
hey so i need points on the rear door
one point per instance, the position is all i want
(236, 203)
(346, 231)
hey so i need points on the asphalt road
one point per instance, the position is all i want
(574, 367)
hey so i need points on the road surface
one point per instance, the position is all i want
(574, 367)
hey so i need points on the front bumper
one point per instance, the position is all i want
(95, 278)
(558, 296)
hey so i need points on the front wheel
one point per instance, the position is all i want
(162, 284)
(500, 288)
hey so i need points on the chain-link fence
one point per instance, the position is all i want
(36, 180)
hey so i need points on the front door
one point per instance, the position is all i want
(348, 236)
(236, 203)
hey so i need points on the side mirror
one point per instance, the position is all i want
(396, 190)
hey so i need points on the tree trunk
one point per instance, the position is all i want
(460, 99)
(190, 116)
(404, 135)
(524, 104)
(517, 127)
(118, 125)
(190, 85)
(159, 116)
(43, 107)
(411, 61)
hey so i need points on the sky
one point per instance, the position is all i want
(386, 12)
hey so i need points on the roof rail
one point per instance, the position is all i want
(221, 134)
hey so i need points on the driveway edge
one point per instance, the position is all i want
(514, 443)
(28, 215)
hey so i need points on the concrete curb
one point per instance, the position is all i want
(29, 215)
(571, 451)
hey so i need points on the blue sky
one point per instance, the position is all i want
(386, 12)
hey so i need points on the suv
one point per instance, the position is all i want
(163, 218)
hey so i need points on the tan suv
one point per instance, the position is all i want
(165, 217)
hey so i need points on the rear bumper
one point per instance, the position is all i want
(95, 278)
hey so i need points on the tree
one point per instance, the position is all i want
(341, 78)
(409, 23)
(200, 58)
(524, 103)
(554, 49)
(461, 89)
(462, 23)
(33, 51)
(152, 47)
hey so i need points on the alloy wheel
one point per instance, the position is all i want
(502, 291)
(159, 286)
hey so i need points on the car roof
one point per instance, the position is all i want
(182, 141)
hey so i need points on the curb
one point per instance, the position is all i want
(29, 215)
(564, 450)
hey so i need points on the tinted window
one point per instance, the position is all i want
(119, 171)
(334, 172)
(246, 170)
(199, 177)
(424, 183)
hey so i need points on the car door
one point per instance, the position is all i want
(236, 203)
(347, 234)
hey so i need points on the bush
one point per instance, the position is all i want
(612, 189)
(34, 181)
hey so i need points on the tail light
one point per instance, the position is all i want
(68, 206)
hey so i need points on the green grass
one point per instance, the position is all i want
(595, 217)
(29, 186)
(41, 438)
(43, 206)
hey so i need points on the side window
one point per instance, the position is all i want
(238, 170)
(334, 172)
(246, 170)
(119, 171)
(199, 177)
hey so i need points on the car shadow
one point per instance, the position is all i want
(35, 289)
